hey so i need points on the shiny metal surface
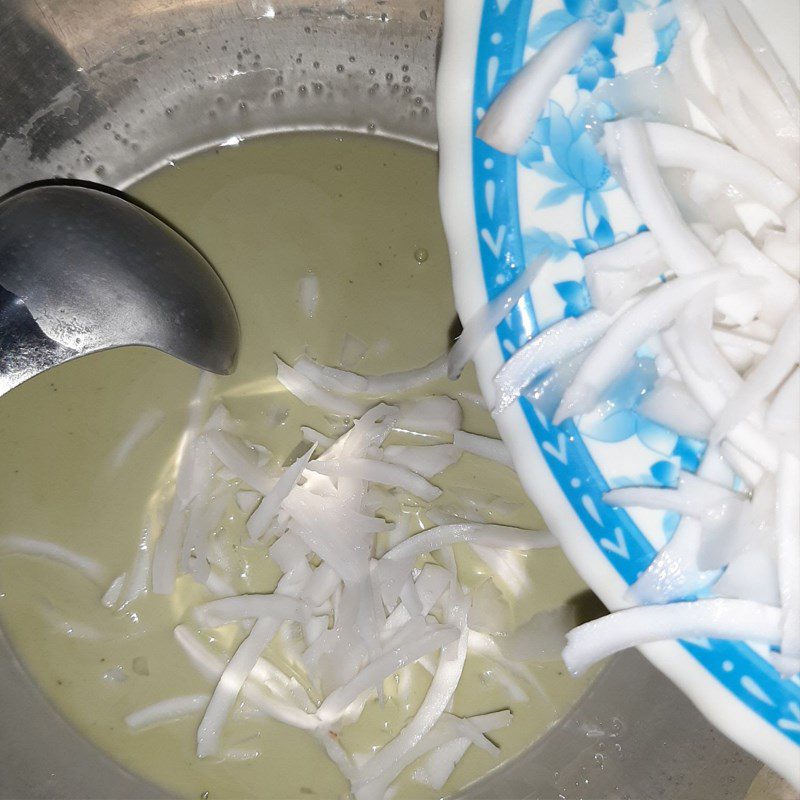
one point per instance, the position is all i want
(108, 91)
(87, 270)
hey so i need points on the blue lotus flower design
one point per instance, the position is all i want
(574, 163)
(598, 61)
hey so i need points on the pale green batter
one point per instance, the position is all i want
(358, 213)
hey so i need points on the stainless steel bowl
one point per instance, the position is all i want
(109, 91)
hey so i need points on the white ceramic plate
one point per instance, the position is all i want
(499, 211)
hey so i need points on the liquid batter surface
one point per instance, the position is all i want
(362, 216)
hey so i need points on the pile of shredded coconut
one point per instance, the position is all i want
(360, 600)
(717, 300)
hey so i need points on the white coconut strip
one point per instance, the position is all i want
(381, 789)
(140, 430)
(729, 342)
(714, 619)
(230, 683)
(430, 585)
(204, 518)
(322, 584)
(349, 559)
(220, 419)
(627, 333)
(486, 646)
(373, 674)
(431, 415)
(315, 437)
(240, 460)
(743, 71)
(778, 289)
(783, 250)
(368, 432)
(674, 573)
(167, 549)
(751, 575)
(347, 383)
(23, 545)
(748, 470)
(682, 148)
(438, 765)
(409, 632)
(490, 611)
(399, 618)
(484, 321)
(314, 628)
(506, 568)
(513, 114)
(493, 721)
(262, 517)
(409, 598)
(751, 119)
(112, 594)
(368, 469)
(218, 586)
(309, 294)
(211, 666)
(787, 524)
(693, 497)
(288, 551)
(483, 446)
(764, 378)
(428, 460)
(337, 754)
(670, 405)
(657, 498)
(501, 536)
(551, 347)
(283, 686)
(318, 511)
(739, 132)
(694, 328)
(139, 574)
(331, 378)
(217, 613)
(311, 394)
(437, 699)
(198, 412)
(782, 414)
(542, 637)
(448, 728)
(166, 711)
(292, 583)
(630, 253)
(681, 248)
(744, 437)
(761, 50)
(611, 289)
(397, 382)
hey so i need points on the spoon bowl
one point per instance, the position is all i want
(84, 270)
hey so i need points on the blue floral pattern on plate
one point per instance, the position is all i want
(559, 195)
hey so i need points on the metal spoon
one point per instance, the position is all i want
(83, 270)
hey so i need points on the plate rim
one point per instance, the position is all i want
(455, 87)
